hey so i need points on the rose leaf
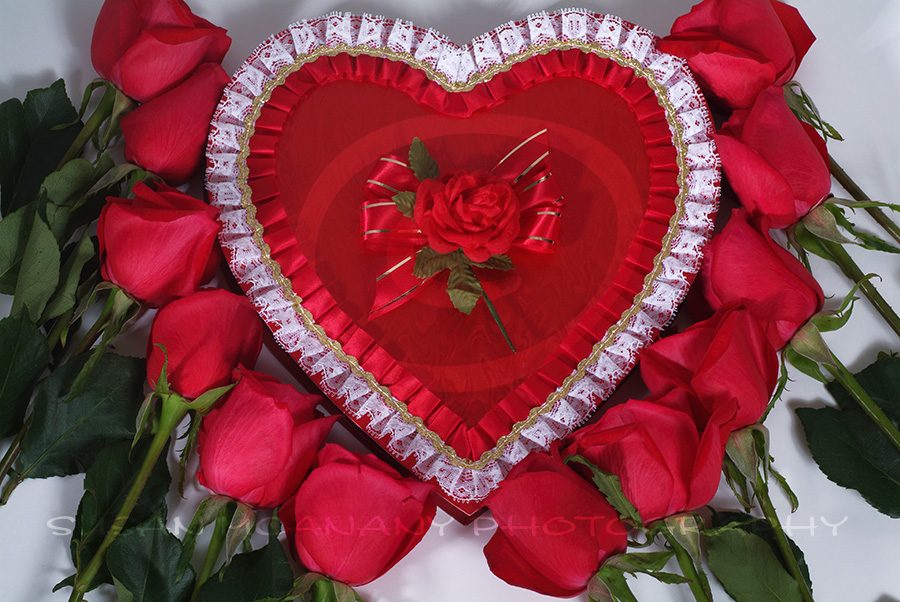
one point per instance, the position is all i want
(421, 162)
(23, 356)
(464, 288)
(496, 262)
(405, 202)
(748, 568)
(429, 262)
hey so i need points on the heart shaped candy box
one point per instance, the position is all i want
(316, 108)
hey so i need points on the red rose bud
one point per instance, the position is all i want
(258, 444)
(665, 466)
(554, 528)
(777, 165)
(354, 517)
(743, 266)
(725, 364)
(206, 335)
(737, 48)
(167, 135)
(475, 211)
(146, 47)
(158, 246)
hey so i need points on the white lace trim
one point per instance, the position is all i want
(458, 64)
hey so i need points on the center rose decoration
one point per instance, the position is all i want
(459, 221)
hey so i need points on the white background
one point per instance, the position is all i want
(852, 72)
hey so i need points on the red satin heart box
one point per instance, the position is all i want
(314, 108)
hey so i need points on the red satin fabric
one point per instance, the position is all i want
(315, 144)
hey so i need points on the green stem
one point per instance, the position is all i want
(9, 459)
(92, 126)
(854, 273)
(61, 324)
(857, 193)
(784, 546)
(102, 320)
(688, 568)
(212, 553)
(174, 408)
(493, 310)
(865, 401)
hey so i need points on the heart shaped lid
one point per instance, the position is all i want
(314, 108)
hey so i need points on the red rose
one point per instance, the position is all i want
(158, 246)
(206, 335)
(777, 165)
(147, 47)
(168, 134)
(746, 267)
(554, 528)
(475, 211)
(354, 517)
(726, 364)
(257, 445)
(664, 464)
(737, 48)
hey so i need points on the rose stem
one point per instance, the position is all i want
(865, 401)
(784, 546)
(688, 569)
(857, 193)
(212, 553)
(92, 126)
(174, 408)
(854, 273)
(499, 322)
(10, 457)
(102, 320)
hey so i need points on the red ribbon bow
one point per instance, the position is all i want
(526, 168)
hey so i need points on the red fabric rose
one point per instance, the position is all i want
(257, 445)
(664, 464)
(158, 246)
(554, 528)
(206, 335)
(743, 266)
(475, 211)
(168, 134)
(777, 165)
(147, 47)
(354, 517)
(737, 48)
(726, 364)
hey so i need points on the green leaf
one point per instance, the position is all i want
(610, 585)
(810, 242)
(39, 272)
(60, 191)
(611, 488)
(51, 124)
(421, 162)
(406, 202)
(464, 288)
(259, 575)
(804, 364)
(105, 486)
(65, 437)
(143, 561)
(13, 149)
(762, 529)
(496, 262)
(23, 356)
(855, 454)
(65, 296)
(748, 569)
(15, 229)
(866, 241)
(429, 262)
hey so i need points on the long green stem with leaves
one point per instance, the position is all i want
(688, 569)
(103, 112)
(212, 553)
(854, 273)
(864, 400)
(174, 408)
(857, 193)
(768, 509)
